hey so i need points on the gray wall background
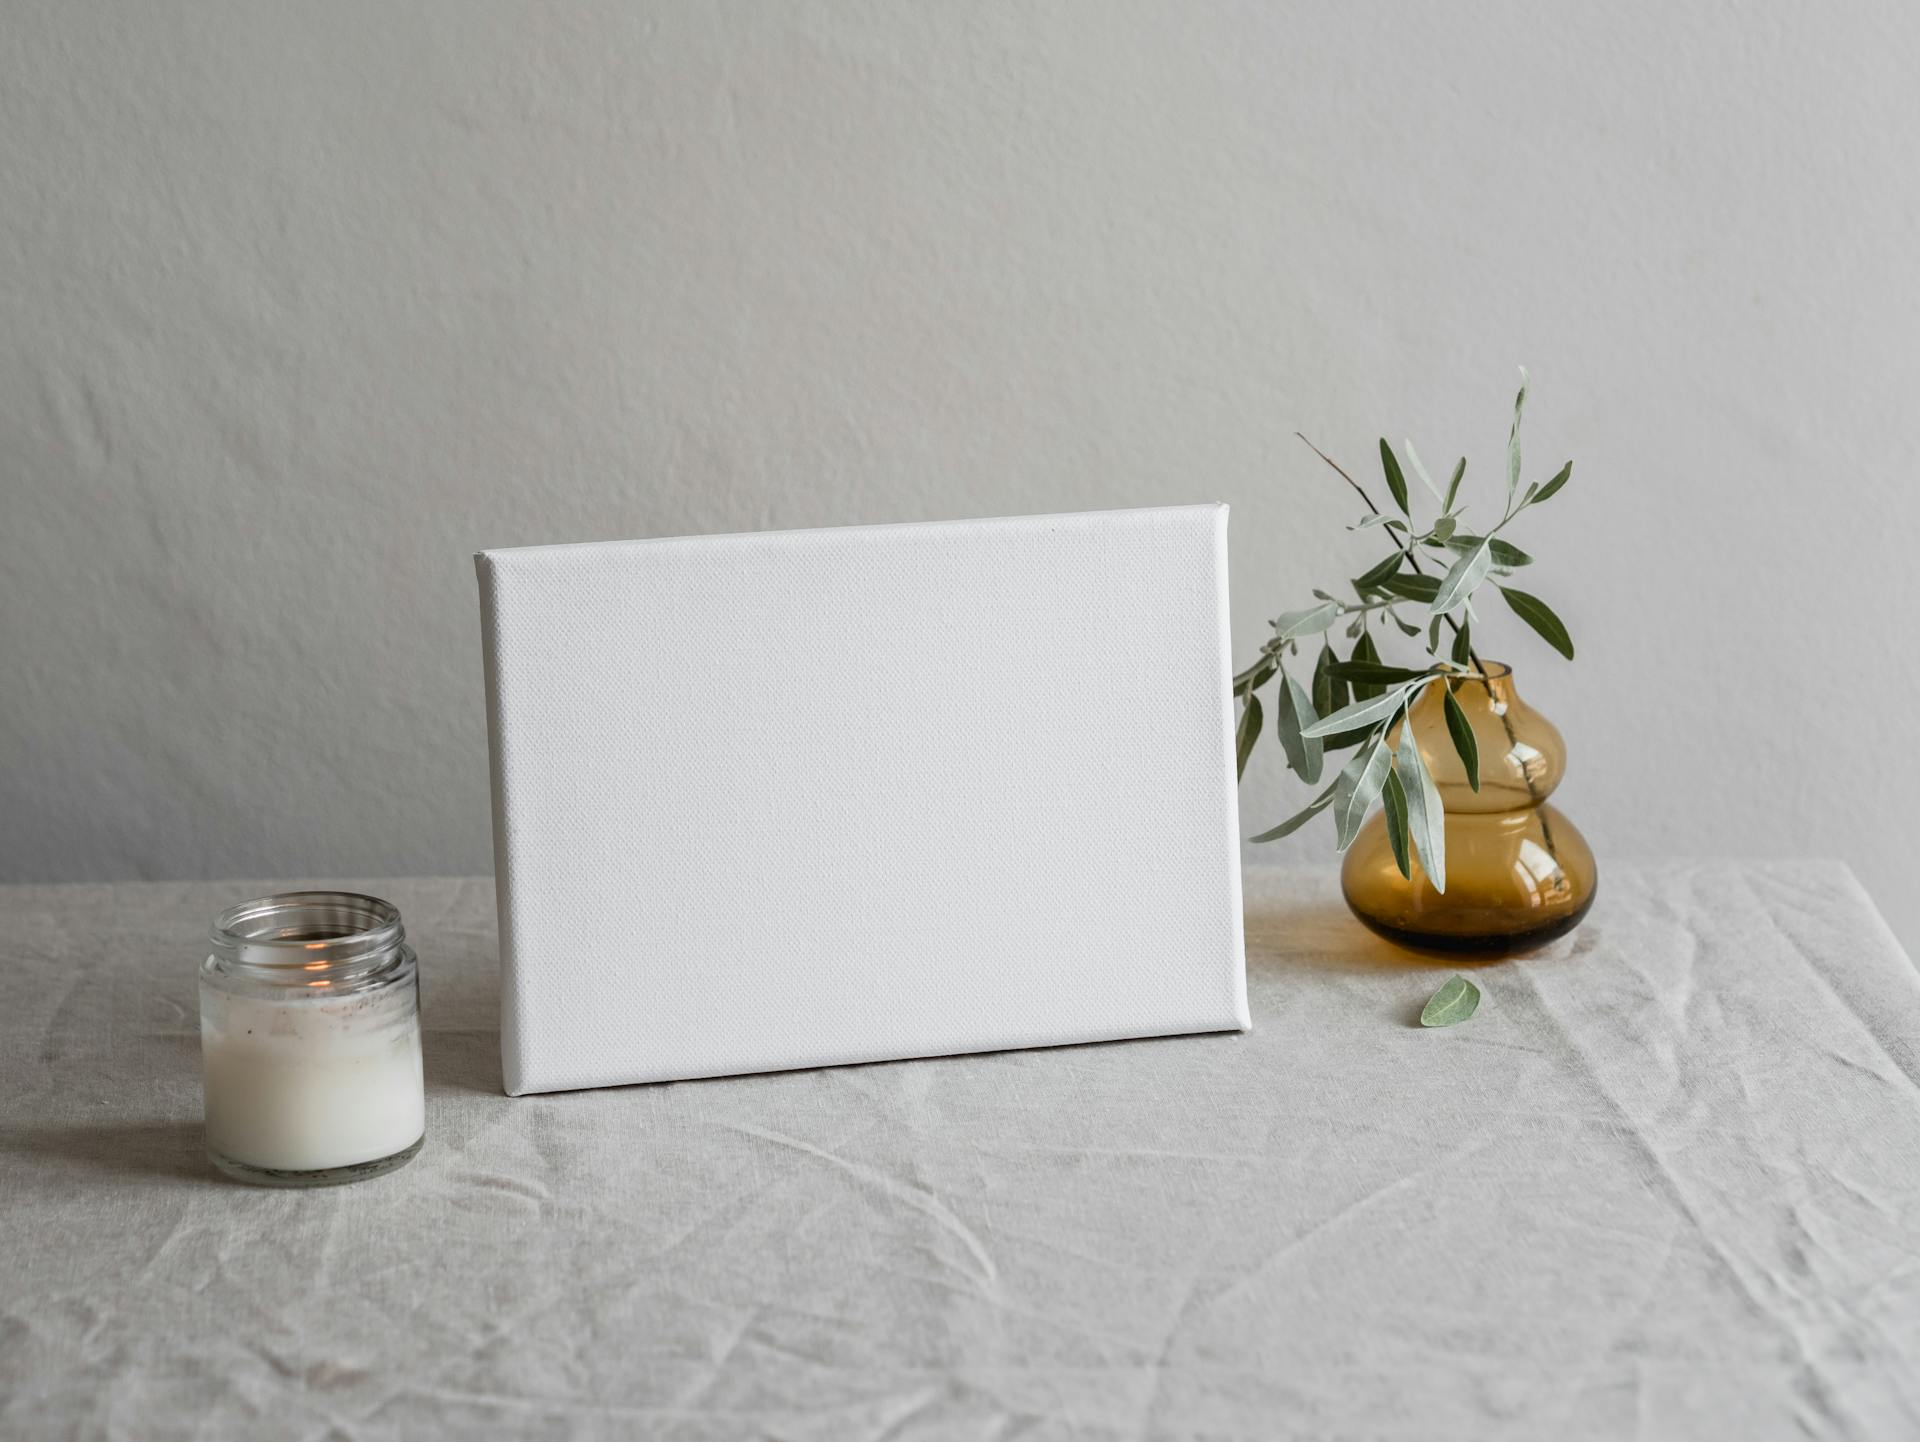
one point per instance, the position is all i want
(304, 304)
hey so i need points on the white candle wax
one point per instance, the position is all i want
(309, 1082)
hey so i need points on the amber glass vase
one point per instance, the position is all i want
(1518, 873)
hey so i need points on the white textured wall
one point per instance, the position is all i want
(302, 304)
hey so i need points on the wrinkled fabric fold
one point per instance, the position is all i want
(1666, 1183)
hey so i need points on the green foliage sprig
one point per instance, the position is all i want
(1355, 702)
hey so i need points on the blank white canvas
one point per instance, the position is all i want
(803, 798)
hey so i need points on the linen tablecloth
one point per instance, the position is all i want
(1665, 1184)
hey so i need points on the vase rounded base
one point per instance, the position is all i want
(1516, 880)
(1487, 946)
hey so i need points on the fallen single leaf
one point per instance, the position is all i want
(1454, 1002)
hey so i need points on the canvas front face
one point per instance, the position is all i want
(804, 798)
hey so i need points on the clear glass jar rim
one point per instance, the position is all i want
(307, 931)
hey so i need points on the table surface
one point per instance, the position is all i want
(1665, 1184)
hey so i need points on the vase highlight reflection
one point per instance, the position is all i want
(1518, 872)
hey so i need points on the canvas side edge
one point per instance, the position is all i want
(512, 1073)
(1224, 602)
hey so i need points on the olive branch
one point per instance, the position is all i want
(1356, 702)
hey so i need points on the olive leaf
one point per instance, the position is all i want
(1363, 650)
(1552, 487)
(1413, 459)
(1505, 553)
(1291, 625)
(1373, 671)
(1323, 701)
(1347, 740)
(1360, 713)
(1463, 645)
(1465, 744)
(1426, 821)
(1412, 588)
(1539, 615)
(1293, 714)
(1469, 571)
(1453, 1003)
(1513, 440)
(1453, 486)
(1299, 818)
(1357, 788)
(1255, 676)
(1396, 482)
(1339, 696)
(1377, 574)
(1246, 733)
(1395, 798)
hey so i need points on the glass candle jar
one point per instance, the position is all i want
(310, 1040)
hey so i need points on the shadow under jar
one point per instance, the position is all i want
(1519, 873)
(310, 1040)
